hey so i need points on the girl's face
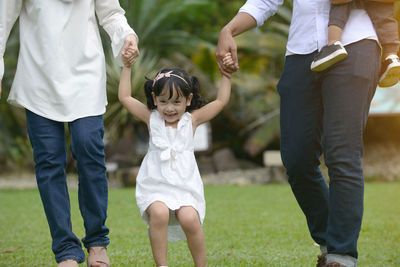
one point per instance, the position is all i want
(172, 107)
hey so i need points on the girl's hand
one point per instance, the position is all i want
(130, 50)
(128, 58)
(229, 63)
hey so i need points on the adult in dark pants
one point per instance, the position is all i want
(61, 78)
(321, 113)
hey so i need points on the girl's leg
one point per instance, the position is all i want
(189, 220)
(158, 223)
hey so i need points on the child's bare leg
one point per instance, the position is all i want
(189, 220)
(334, 34)
(158, 223)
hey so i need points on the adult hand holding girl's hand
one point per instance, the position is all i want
(130, 50)
(128, 58)
(226, 44)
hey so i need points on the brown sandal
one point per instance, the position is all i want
(98, 257)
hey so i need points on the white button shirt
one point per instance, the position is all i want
(309, 26)
(61, 72)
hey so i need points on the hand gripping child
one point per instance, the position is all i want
(169, 189)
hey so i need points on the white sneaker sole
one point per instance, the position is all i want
(323, 64)
(391, 76)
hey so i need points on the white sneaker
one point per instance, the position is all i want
(390, 71)
(329, 55)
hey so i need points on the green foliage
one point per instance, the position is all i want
(117, 118)
(161, 27)
(14, 147)
(244, 226)
(183, 33)
(164, 26)
(10, 61)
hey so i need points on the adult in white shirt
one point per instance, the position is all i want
(61, 78)
(320, 113)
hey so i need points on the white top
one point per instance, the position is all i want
(309, 26)
(61, 72)
(169, 172)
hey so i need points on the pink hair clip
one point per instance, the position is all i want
(167, 74)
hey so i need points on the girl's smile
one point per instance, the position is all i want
(171, 107)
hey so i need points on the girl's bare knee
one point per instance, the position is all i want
(158, 213)
(189, 219)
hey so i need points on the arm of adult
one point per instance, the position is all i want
(226, 44)
(123, 37)
(211, 109)
(9, 12)
(130, 48)
(253, 13)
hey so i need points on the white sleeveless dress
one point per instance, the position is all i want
(169, 172)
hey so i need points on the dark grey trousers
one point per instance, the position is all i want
(326, 112)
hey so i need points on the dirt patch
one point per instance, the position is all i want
(382, 162)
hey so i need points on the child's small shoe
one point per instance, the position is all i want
(329, 55)
(390, 71)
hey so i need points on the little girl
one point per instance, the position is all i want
(169, 189)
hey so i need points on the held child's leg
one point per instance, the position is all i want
(385, 24)
(334, 51)
(158, 223)
(334, 34)
(386, 28)
(189, 220)
(338, 16)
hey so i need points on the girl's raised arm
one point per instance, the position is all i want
(133, 105)
(211, 110)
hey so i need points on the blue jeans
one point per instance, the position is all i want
(327, 113)
(49, 150)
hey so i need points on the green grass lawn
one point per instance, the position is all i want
(244, 226)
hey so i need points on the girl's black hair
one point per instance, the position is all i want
(184, 85)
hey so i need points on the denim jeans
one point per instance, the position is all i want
(327, 113)
(49, 150)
